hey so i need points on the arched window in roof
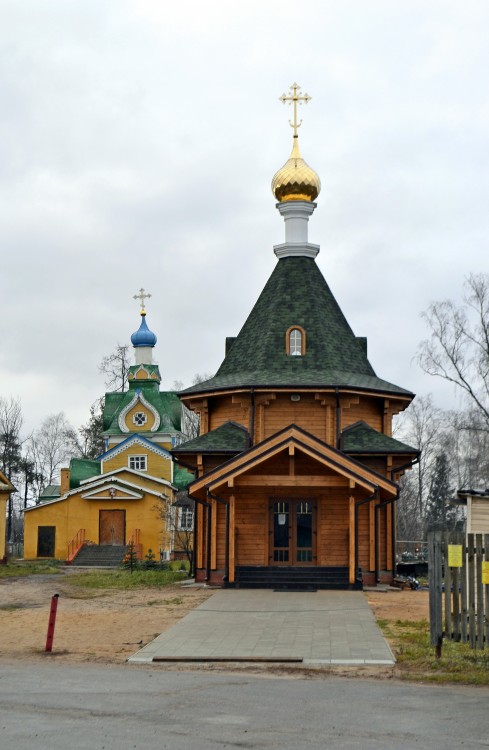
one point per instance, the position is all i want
(295, 341)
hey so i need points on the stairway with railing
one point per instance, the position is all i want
(75, 546)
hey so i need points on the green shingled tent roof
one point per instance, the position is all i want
(361, 438)
(296, 294)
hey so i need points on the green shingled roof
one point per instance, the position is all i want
(51, 492)
(296, 294)
(230, 437)
(361, 438)
(82, 468)
(181, 477)
(166, 403)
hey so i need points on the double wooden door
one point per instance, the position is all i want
(112, 527)
(292, 532)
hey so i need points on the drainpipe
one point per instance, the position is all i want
(357, 507)
(252, 416)
(338, 417)
(225, 577)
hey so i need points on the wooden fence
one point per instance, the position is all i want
(458, 566)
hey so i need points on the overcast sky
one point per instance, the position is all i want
(138, 140)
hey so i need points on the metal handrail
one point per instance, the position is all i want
(75, 545)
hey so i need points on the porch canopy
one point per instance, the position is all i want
(292, 464)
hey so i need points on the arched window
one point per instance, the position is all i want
(296, 341)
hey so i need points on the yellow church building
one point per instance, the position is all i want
(126, 495)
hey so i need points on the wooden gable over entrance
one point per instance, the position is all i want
(326, 500)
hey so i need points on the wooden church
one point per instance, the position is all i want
(296, 467)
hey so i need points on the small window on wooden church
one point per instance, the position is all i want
(296, 342)
(139, 418)
(138, 463)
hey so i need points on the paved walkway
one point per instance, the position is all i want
(322, 627)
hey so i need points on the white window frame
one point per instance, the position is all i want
(295, 342)
(185, 519)
(141, 459)
(139, 424)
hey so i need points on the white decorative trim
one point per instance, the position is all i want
(138, 397)
(127, 470)
(94, 494)
(149, 375)
(290, 249)
(137, 440)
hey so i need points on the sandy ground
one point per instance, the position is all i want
(108, 626)
(91, 625)
(394, 604)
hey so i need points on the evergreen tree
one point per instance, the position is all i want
(439, 513)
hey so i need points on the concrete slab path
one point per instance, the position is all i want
(322, 627)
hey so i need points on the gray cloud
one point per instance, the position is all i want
(137, 145)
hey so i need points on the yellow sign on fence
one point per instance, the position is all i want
(485, 572)
(454, 555)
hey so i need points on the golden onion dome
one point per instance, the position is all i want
(296, 181)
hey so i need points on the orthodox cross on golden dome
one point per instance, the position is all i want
(295, 98)
(141, 297)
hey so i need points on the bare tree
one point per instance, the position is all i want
(421, 426)
(409, 522)
(458, 350)
(466, 443)
(50, 446)
(87, 441)
(115, 367)
(190, 423)
(179, 524)
(10, 447)
(191, 419)
(11, 421)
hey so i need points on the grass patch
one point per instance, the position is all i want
(176, 601)
(124, 579)
(18, 568)
(10, 607)
(416, 660)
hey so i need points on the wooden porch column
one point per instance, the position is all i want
(214, 535)
(352, 539)
(388, 538)
(371, 535)
(232, 562)
(200, 536)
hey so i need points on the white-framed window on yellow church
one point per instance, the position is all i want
(138, 463)
(185, 519)
(139, 418)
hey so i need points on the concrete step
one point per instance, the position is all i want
(95, 555)
(290, 578)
